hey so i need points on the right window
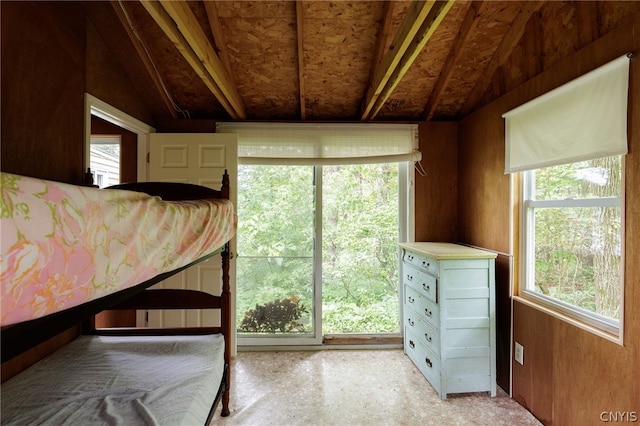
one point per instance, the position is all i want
(572, 240)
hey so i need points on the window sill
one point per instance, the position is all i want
(591, 329)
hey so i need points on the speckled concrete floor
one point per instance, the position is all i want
(352, 387)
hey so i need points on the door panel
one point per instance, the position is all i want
(198, 158)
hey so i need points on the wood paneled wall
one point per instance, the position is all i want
(569, 376)
(43, 72)
(436, 203)
(51, 56)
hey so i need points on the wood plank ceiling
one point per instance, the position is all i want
(345, 60)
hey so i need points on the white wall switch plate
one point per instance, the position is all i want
(519, 354)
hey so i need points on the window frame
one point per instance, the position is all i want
(597, 324)
(406, 231)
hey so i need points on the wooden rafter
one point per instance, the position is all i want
(300, 28)
(509, 42)
(421, 21)
(179, 24)
(218, 35)
(127, 24)
(467, 29)
(381, 41)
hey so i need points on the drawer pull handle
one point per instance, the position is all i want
(410, 321)
(411, 344)
(409, 277)
(410, 257)
(411, 299)
(426, 287)
(429, 363)
(426, 264)
(426, 336)
(427, 312)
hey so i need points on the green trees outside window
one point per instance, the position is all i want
(276, 237)
(575, 212)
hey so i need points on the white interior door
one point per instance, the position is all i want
(198, 158)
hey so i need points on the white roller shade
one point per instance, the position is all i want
(304, 143)
(581, 120)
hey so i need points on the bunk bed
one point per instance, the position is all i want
(69, 252)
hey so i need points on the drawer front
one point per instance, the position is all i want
(422, 306)
(428, 336)
(421, 261)
(425, 284)
(427, 361)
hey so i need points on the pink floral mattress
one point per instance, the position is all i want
(64, 245)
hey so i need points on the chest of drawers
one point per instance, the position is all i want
(449, 315)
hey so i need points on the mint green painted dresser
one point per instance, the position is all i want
(449, 315)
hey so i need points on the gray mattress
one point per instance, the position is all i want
(166, 380)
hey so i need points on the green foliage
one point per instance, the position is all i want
(360, 263)
(276, 316)
(577, 254)
(276, 239)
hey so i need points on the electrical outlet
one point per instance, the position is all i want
(519, 354)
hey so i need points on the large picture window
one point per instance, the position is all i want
(572, 242)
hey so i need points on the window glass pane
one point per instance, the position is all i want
(360, 254)
(586, 179)
(275, 250)
(577, 257)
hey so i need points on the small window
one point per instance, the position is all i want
(572, 235)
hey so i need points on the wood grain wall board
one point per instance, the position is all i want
(483, 196)
(591, 375)
(106, 81)
(564, 379)
(17, 364)
(503, 321)
(43, 77)
(102, 16)
(436, 193)
(533, 382)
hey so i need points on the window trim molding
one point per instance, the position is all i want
(573, 315)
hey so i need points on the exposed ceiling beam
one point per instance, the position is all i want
(180, 25)
(154, 76)
(218, 35)
(468, 27)
(381, 41)
(416, 15)
(421, 21)
(502, 53)
(300, 28)
(190, 28)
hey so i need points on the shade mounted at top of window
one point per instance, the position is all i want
(581, 120)
(320, 143)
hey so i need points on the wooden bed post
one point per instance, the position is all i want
(225, 185)
(225, 321)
